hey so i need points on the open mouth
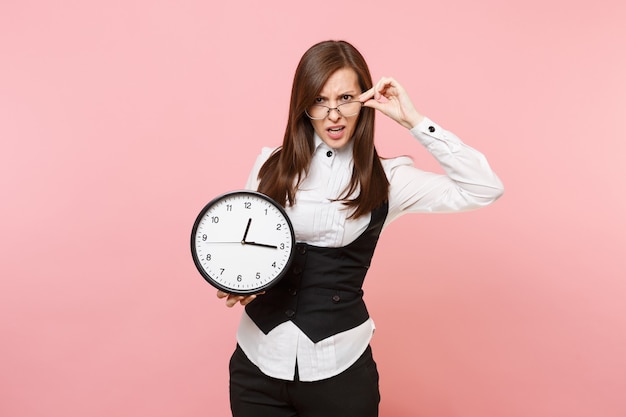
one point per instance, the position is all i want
(335, 132)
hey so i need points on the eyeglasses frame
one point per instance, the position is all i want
(329, 109)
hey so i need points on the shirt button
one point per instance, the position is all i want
(290, 313)
(431, 128)
(329, 154)
(336, 298)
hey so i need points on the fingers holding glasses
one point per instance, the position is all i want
(385, 89)
(390, 98)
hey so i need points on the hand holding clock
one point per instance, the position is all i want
(232, 299)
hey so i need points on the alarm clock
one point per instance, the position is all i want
(242, 242)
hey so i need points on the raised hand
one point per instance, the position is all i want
(390, 98)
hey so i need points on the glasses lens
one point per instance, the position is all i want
(317, 112)
(350, 109)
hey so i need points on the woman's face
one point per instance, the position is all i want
(336, 129)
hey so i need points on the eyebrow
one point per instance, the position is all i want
(349, 93)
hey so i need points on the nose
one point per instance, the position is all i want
(333, 114)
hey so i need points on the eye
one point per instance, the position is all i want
(319, 100)
(346, 97)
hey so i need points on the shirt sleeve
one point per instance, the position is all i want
(468, 183)
(253, 178)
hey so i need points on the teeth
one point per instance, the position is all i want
(336, 129)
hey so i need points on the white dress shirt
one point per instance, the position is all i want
(319, 219)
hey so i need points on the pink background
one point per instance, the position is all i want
(119, 120)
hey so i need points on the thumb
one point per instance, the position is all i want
(374, 104)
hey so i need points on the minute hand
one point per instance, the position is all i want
(261, 244)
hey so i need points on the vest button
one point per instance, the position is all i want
(336, 298)
(292, 291)
(302, 250)
(290, 313)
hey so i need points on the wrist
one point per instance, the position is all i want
(413, 120)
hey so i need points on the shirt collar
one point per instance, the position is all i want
(321, 148)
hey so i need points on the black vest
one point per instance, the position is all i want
(322, 292)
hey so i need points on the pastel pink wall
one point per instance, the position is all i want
(119, 120)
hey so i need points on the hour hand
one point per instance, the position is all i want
(245, 234)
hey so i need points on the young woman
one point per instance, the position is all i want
(303, 346)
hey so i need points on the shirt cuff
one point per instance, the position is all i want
(430, 134)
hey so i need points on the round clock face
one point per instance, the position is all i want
(242, 242)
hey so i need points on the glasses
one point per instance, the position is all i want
(319, 112)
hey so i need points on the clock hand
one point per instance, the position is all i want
(245, 234)
(261, 244)
(221, 242)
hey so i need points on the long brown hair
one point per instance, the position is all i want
(282, 173)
